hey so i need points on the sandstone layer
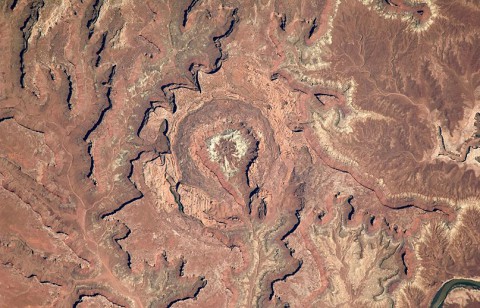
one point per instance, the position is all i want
(239, 153)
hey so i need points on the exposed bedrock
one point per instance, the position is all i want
(374, 106)
(238, 153)
(217, 145)
(374, 147)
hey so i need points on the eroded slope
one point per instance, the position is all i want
(238, 153)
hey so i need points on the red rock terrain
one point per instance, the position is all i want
(227, 153)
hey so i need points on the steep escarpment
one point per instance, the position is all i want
(238, 153)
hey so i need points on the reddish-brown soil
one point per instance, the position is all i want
(238, 153)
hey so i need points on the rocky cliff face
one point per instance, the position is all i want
(227, 153)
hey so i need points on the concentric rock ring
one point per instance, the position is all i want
(225, 148)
